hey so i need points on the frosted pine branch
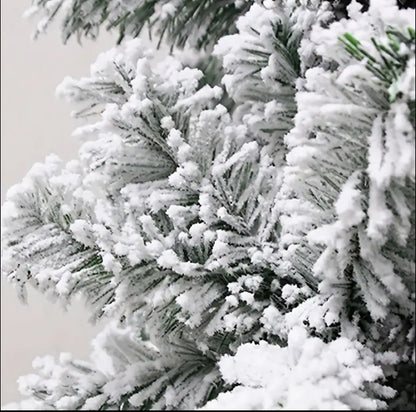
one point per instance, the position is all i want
(245, 218)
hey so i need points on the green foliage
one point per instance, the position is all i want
(180, 22)
(391, 59)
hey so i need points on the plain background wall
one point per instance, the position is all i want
(35, 123)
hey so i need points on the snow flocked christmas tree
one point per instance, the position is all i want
(243, 210)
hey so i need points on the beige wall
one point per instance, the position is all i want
(33, 124)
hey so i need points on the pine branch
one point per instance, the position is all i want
(200, 22)
(341, 144)
(207, 221)
(391, 59)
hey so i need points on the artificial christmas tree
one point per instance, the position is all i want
(242, 210)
